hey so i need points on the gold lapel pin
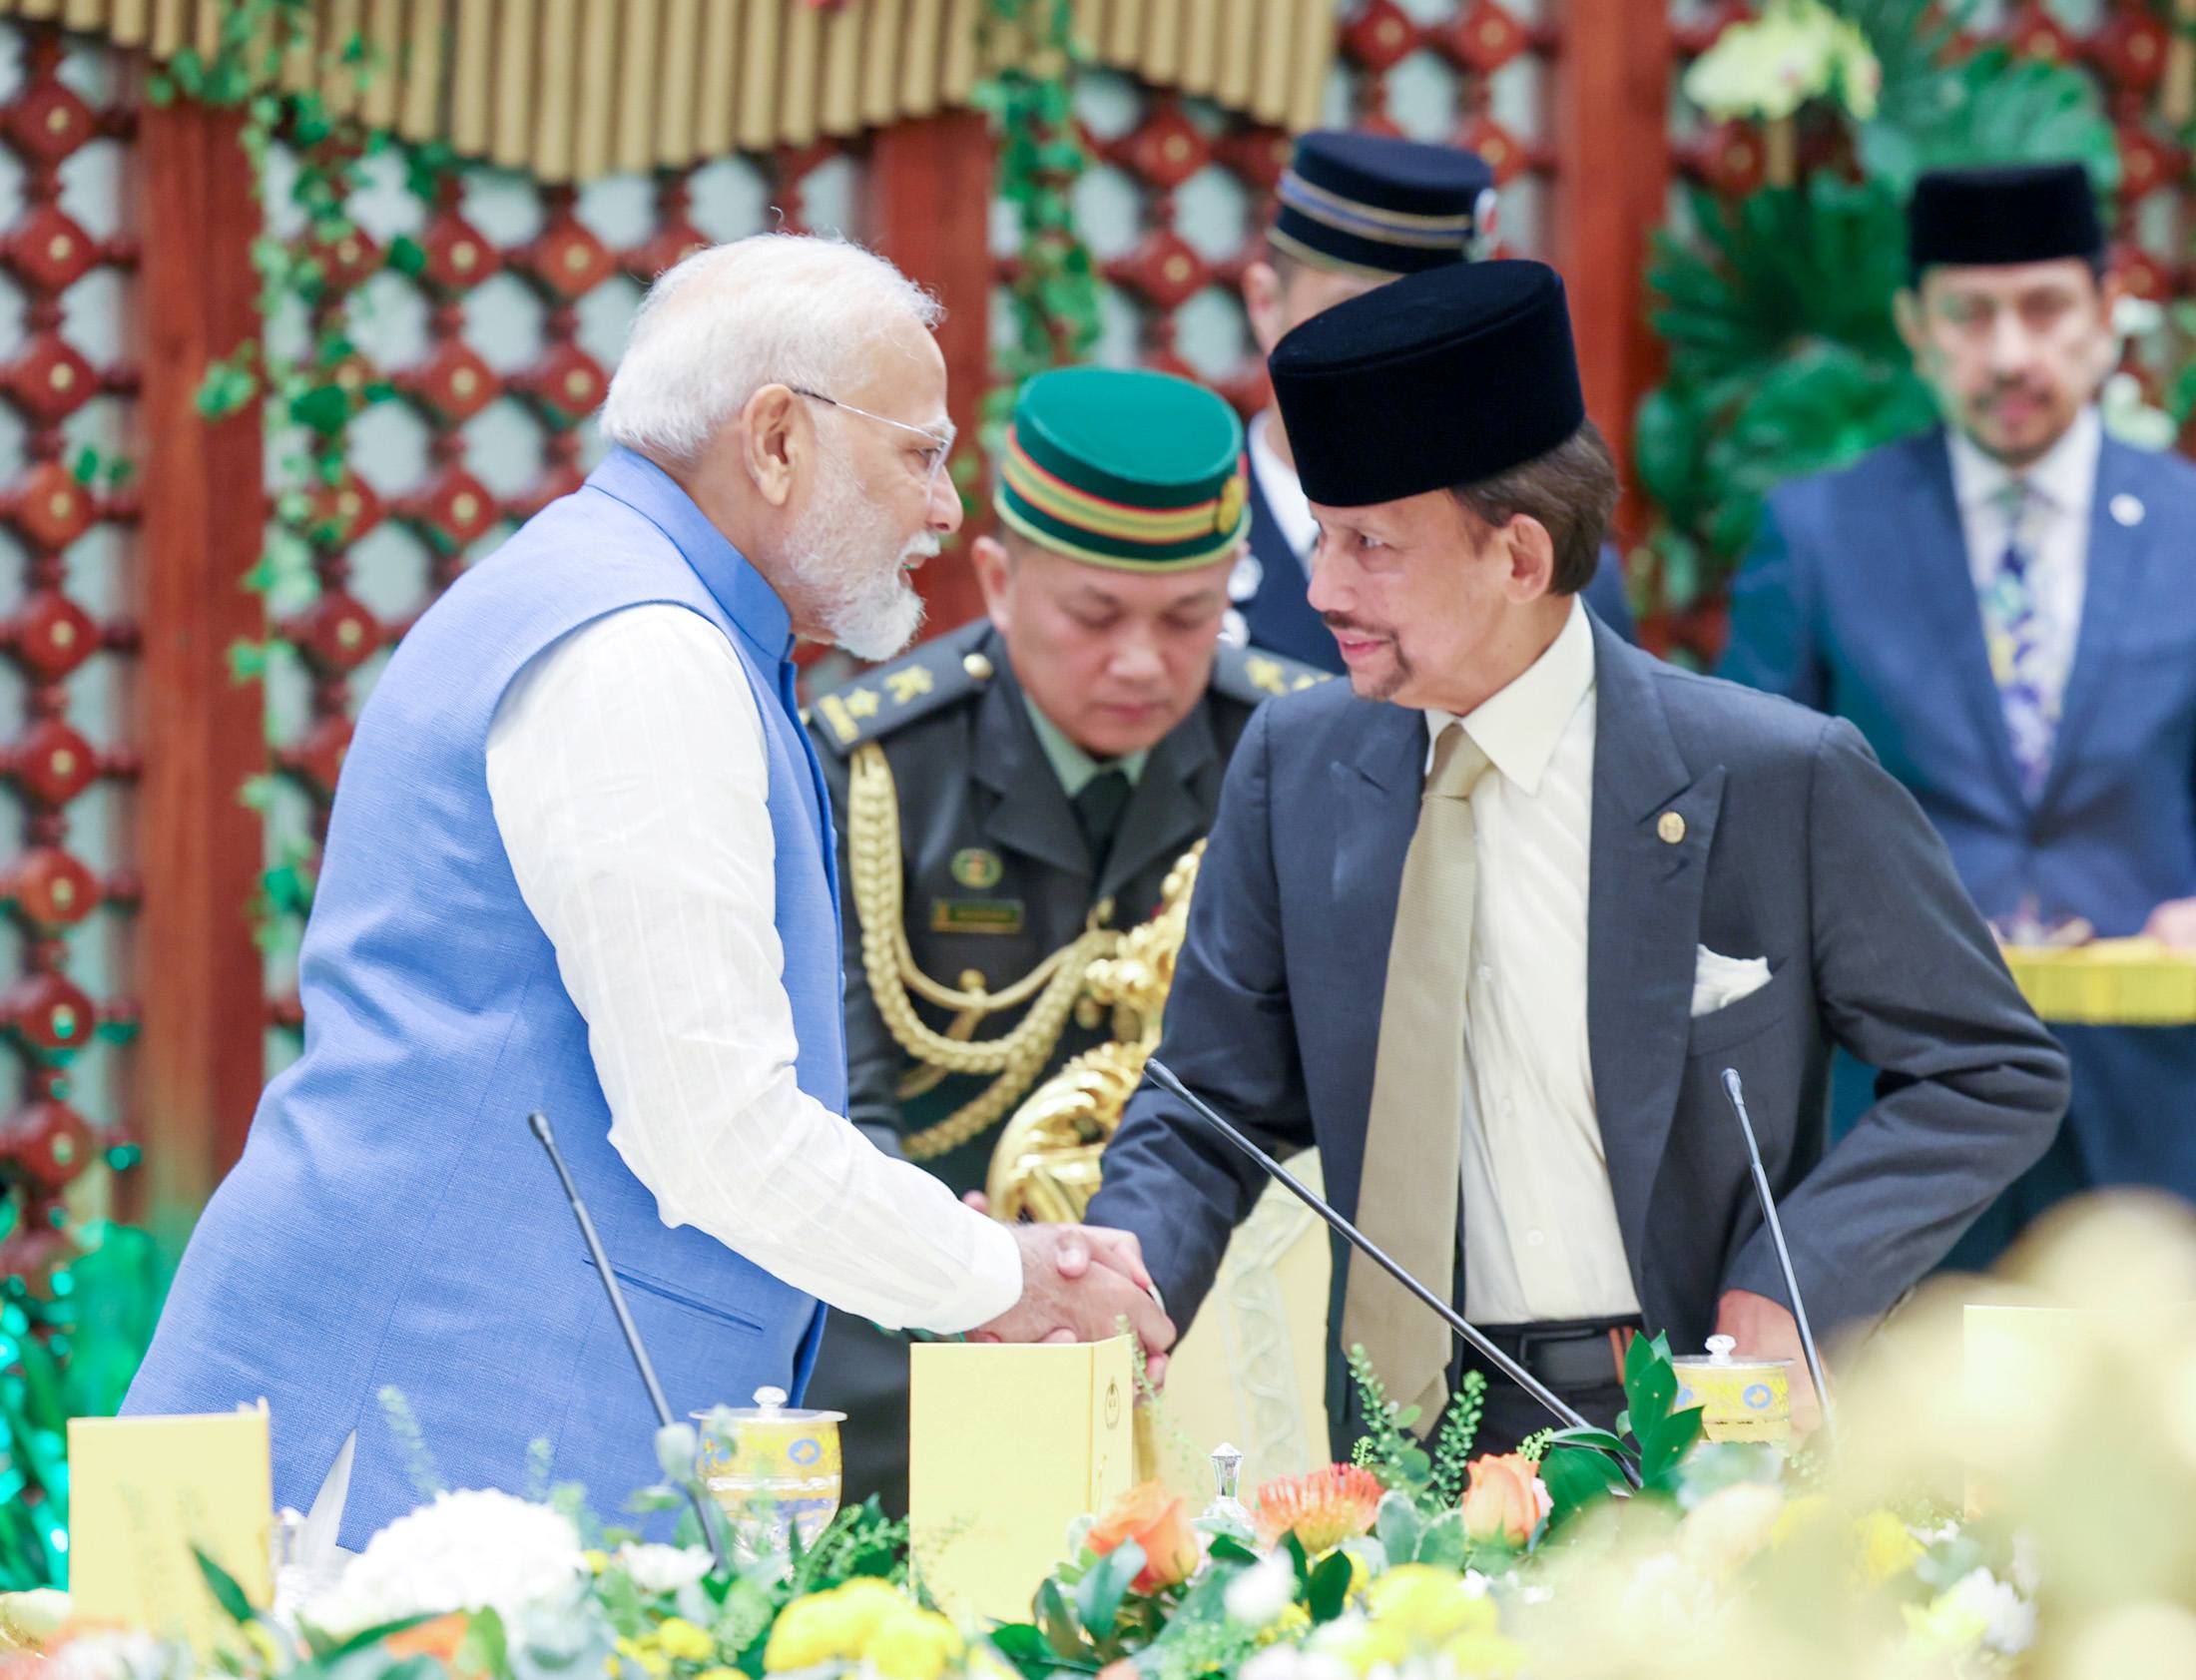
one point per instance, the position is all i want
(1671, 826)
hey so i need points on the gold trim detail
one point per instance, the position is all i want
(875, 876)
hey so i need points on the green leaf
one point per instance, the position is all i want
(1299, 1558)
(1058, 1621)
(227, 1593)
(1398, 1527)
(1229, 1549)
(1443, 1544)
(1098, 1597)
(1666, 1445)
(1328, 1589)
(1576, 1478)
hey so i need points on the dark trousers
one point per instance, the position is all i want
(862, 1371)
(1510, 1413)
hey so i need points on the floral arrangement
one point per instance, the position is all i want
(1770, 66)
(2033, 1526)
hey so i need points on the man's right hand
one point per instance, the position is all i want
(1078, 1284)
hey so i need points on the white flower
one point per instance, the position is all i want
(475, 1550)
(1257, 1597)
(2131, 418)
(1287, 1662)
(1979, 1609)
(120, 1656)
(1796, 51)
(664, 1568)
(1730, 1526)
(2133, 316)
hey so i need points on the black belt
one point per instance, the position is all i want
(1576, 1354)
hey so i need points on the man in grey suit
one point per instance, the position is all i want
(1590, 884)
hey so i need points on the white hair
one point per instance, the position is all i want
(775, 309)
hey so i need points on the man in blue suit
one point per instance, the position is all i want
(1592, 882)
(2007, 608)
(1357, 211)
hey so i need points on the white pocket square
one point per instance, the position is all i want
(1720, 981)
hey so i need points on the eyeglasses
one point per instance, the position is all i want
(935, 457)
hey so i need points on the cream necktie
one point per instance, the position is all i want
(1413, 1136)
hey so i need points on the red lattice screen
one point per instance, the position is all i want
(69, 759)
(497, 350)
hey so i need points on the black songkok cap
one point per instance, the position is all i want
(2014, 212)
(1373, 204)
(1441, 379)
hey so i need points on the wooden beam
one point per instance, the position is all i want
(1609, 113)
(198, 1058)
(930, 210)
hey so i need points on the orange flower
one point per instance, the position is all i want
(1321, 1509)
(439, 1639)
(1157, 1520)
(1505, 1499)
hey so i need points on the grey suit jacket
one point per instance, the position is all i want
(1797, 847)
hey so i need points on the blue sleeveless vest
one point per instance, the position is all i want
(393, 1222)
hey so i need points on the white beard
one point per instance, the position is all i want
(840, 547)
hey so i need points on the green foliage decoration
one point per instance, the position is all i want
(1052, 296)
(67, 1351)
(1777, 309)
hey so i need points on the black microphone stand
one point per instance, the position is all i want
(539, 1122)
(1737, 1093)
(1467, 1331)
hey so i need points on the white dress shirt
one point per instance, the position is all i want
(1284, 491)
(2062, 484)
(627, 772)
(1540, 1233)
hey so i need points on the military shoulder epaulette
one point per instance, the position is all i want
(934, 674)
(1252, 675)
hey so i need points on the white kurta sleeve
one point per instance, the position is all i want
(626, 772)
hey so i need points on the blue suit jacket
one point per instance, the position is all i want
(1796, 848)
(1857, 600)
(1278, 617)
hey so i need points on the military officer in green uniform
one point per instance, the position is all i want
(1011, 794)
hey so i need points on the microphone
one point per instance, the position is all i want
(1466, 1331)
(539, 1123)
(1737, 1093)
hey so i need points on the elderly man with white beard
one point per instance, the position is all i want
(581, 862)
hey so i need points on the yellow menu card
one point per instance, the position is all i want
(1007, 1446)
(143, 1492)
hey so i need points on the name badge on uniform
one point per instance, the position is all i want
(976, 916)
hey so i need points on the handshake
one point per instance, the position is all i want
(1080, 1282)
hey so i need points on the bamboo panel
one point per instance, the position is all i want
(957, 80)
(421, 106)
(598, 89)
(518, 27)
(636, 84)
(385, 47)
(551, 151)
(838, 112)
(570, 90)
(922, 70)
(721, 25)
(757, 121)
(682, 46)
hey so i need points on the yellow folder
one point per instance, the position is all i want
(1007, 1446)
(142, 1492)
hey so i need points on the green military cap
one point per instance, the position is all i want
(1125, 468)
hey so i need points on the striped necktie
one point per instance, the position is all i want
(2013, 628)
